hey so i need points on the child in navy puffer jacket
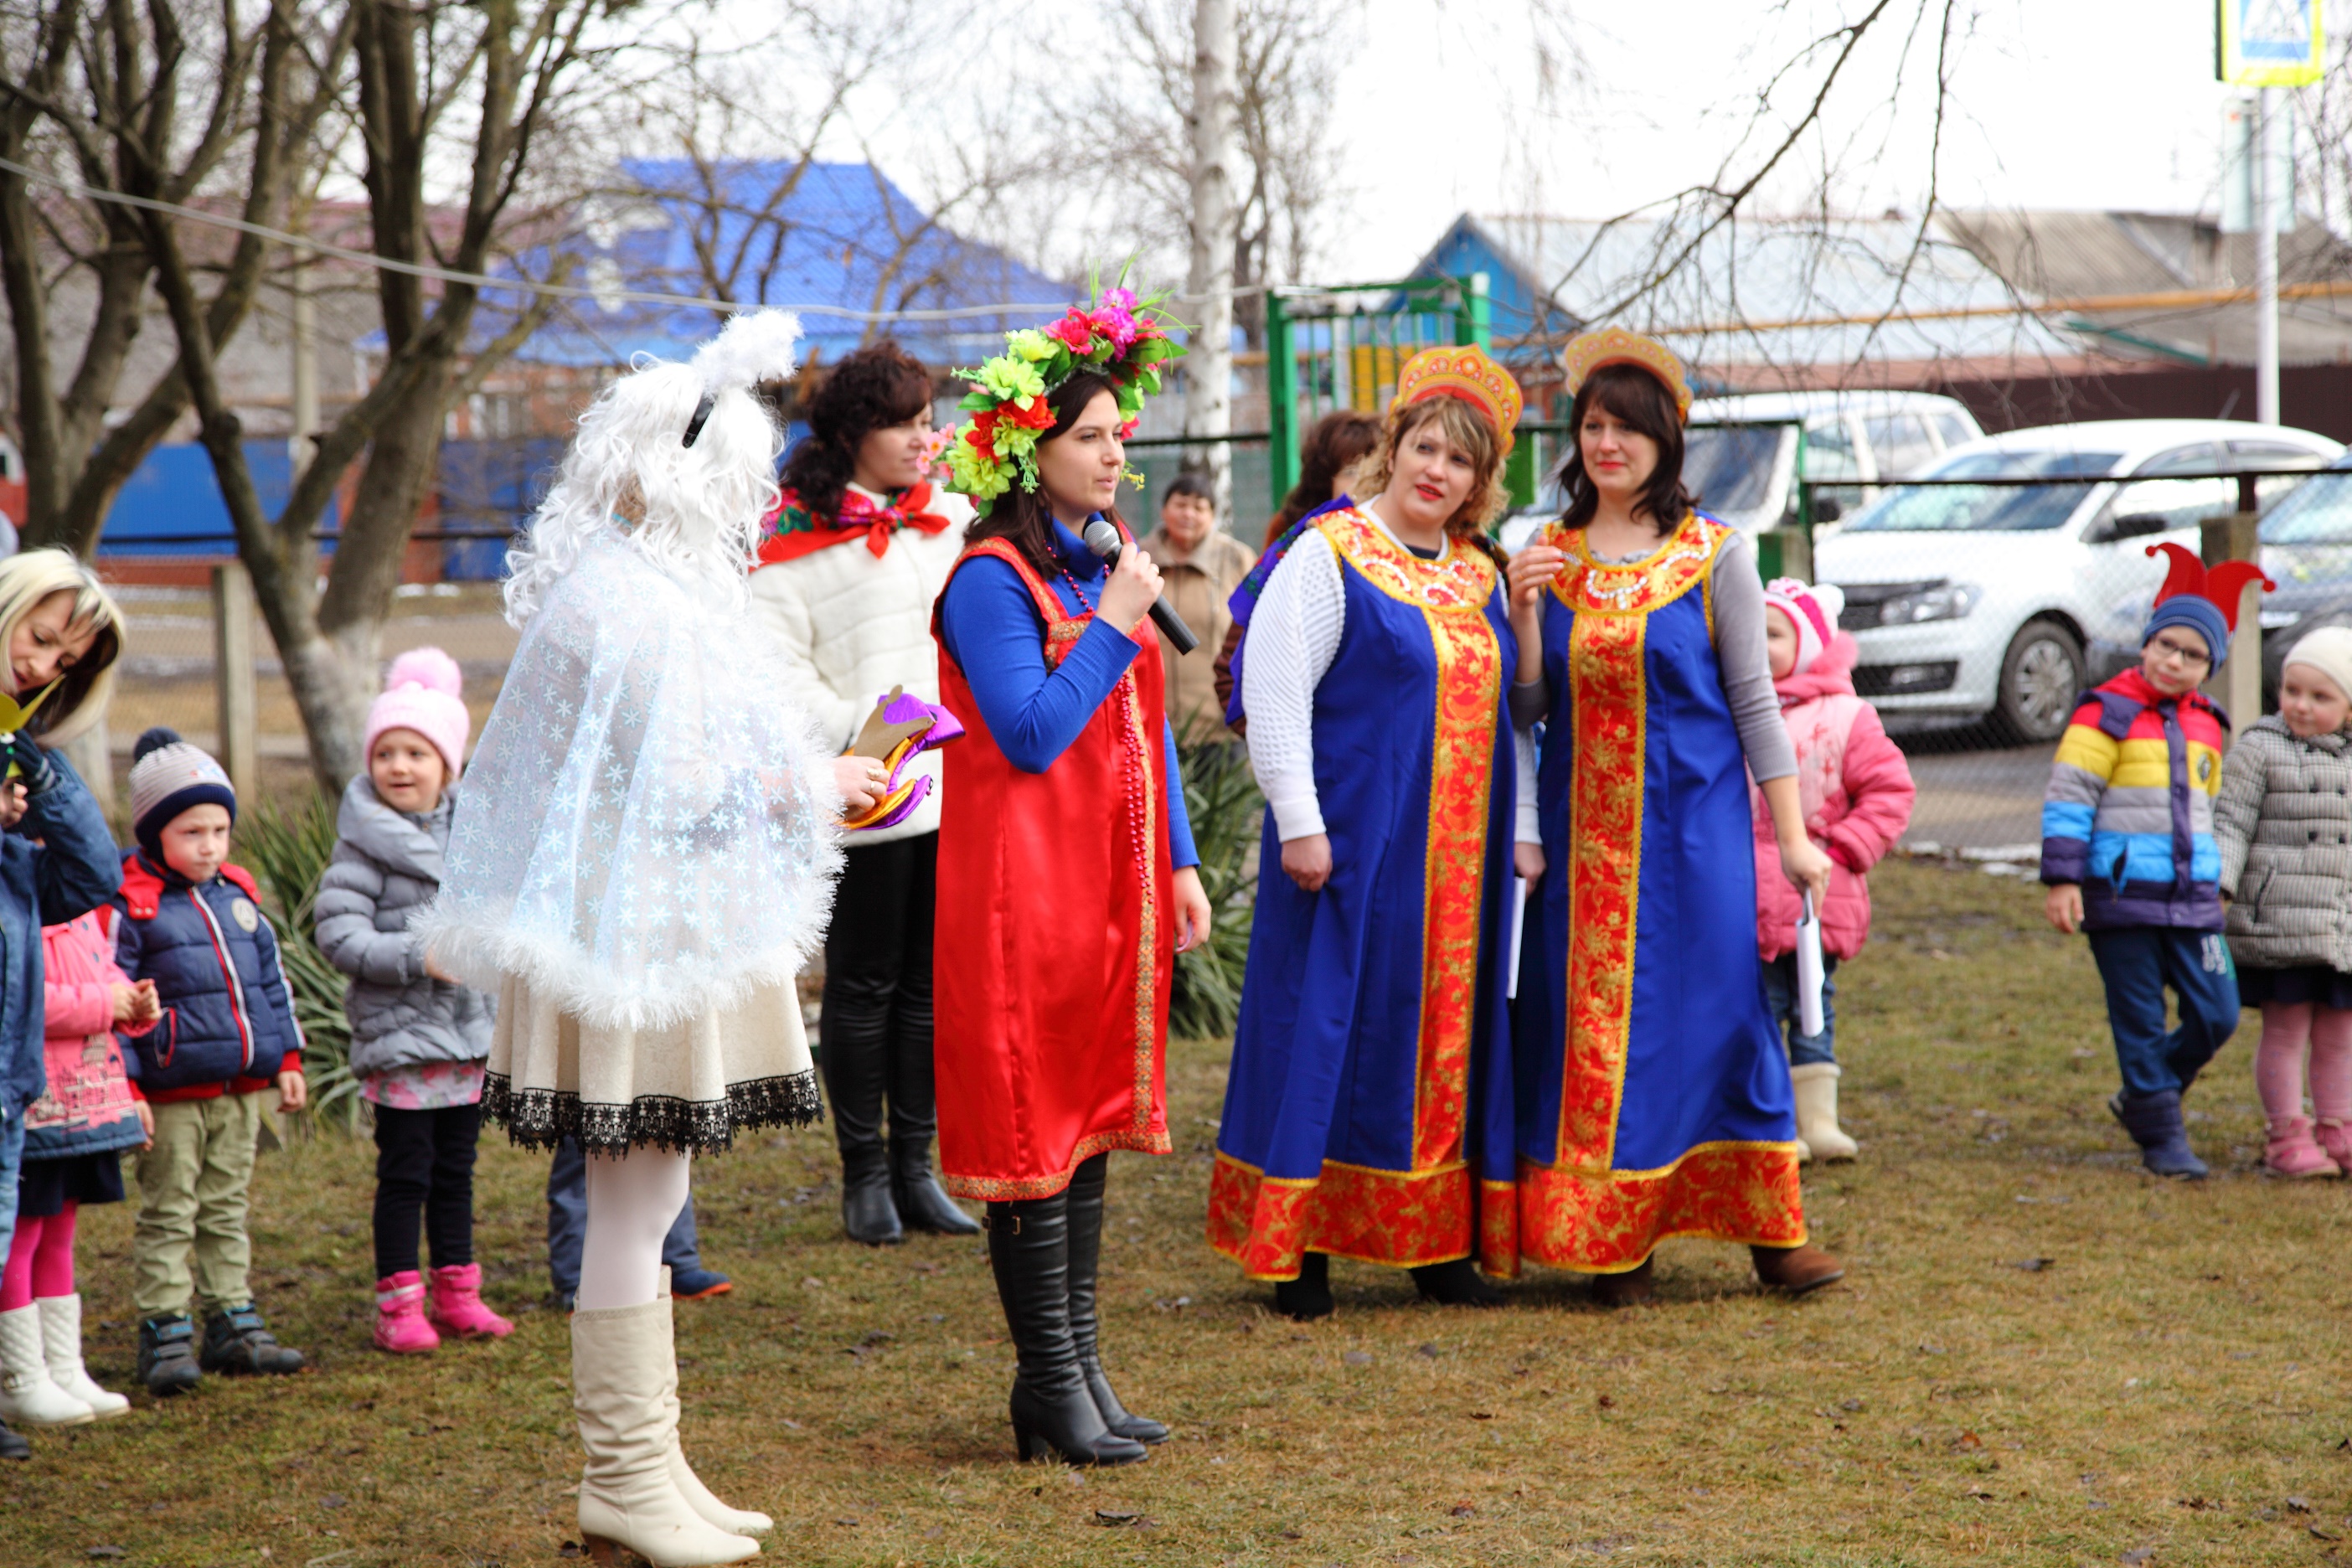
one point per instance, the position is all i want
(193, 924)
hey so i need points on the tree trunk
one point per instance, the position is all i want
(1209, 363)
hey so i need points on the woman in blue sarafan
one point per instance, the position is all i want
(1368, 1112)
(1654, 1098)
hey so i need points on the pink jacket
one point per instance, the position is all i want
(87, 1106)
(1857, 794)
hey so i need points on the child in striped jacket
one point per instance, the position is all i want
(2129, 857)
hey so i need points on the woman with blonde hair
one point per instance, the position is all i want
(61, 634)
(1368, 1112)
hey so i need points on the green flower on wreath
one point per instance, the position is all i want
(1009, 379)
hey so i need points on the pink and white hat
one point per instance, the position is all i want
(420, 693)
(1814, 611)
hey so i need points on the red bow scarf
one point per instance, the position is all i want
(791, 530)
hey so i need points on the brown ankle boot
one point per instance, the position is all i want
(1796, 1270)
(1636, 1287)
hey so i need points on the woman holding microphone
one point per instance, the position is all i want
(1065, 865)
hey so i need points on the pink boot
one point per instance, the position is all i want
(400, 1325)
(457, 1304)
(2292, 1153)
(2336, 1139)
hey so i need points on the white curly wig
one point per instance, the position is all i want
(702, 503)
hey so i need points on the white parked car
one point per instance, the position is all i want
(1740, 454)
(1975, 601)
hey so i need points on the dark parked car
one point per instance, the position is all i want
(2307, 550)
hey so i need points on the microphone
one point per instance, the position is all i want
(1105, 541)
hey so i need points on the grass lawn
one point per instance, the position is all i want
(2040, 1356)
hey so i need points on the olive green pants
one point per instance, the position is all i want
(192, 1202)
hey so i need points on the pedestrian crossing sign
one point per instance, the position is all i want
(2269, 43)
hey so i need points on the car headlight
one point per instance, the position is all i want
(1939, 602)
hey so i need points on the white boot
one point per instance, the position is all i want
(742, 1522)
(1817, 1119)
(61, 1345)
(623, 1382)
(26, 1394)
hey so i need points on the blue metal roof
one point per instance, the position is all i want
(842, 236)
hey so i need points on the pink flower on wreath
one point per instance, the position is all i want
(1115, 318)
(1075, 330)
(1127, 430)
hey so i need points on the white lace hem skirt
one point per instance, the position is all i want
(688, 1085)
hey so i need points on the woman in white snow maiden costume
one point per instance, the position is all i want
(642, 857)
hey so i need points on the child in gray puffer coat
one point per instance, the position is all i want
(2283, 825)
(419, 1039)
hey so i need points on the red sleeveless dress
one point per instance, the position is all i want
(1053, 946)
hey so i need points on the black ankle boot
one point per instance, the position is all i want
(1085, 1197)
(1454, 1284)
(923, 1203)
(236, 1341)
(167, 1354)
(868, 1212)
(1308, 1297)
(1029, 1252)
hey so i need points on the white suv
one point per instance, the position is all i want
(1973, 602)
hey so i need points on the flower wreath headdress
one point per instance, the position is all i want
(1124, 338)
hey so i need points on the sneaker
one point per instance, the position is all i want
(697, 1284)
(236, 1341)
(167, 1356)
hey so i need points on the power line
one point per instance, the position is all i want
(512, 285)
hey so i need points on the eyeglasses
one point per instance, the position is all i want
(2192, 658)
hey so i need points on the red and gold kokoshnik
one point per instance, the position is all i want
(1580, 1212)
(1423, 1214)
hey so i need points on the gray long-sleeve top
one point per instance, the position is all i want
(1739, 651)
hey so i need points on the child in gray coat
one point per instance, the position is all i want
(2283, 825)
(419, 1039)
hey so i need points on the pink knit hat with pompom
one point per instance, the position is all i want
(420, 694)
(1813, 611)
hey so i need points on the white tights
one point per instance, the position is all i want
(632, 1203)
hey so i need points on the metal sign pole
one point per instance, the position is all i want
(2267, 263)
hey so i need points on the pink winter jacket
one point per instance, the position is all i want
(88, 1107)
(1856, 790)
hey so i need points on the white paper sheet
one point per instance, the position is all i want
(1518, 929)
(1808, 969)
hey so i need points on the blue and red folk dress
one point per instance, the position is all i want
(1655, 1100)
(1367, 1111)
(1061, 824)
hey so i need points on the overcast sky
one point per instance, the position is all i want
(2056, 103)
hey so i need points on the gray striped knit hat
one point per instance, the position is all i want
(168, 775)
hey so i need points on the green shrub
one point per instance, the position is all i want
(1221, 798)
(287, 850)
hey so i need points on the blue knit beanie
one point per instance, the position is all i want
(2200, 614)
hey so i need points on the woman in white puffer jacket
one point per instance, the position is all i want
(849, 567)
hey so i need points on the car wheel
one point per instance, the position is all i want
(2041, 676)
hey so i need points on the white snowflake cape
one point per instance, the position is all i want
(646, 832)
